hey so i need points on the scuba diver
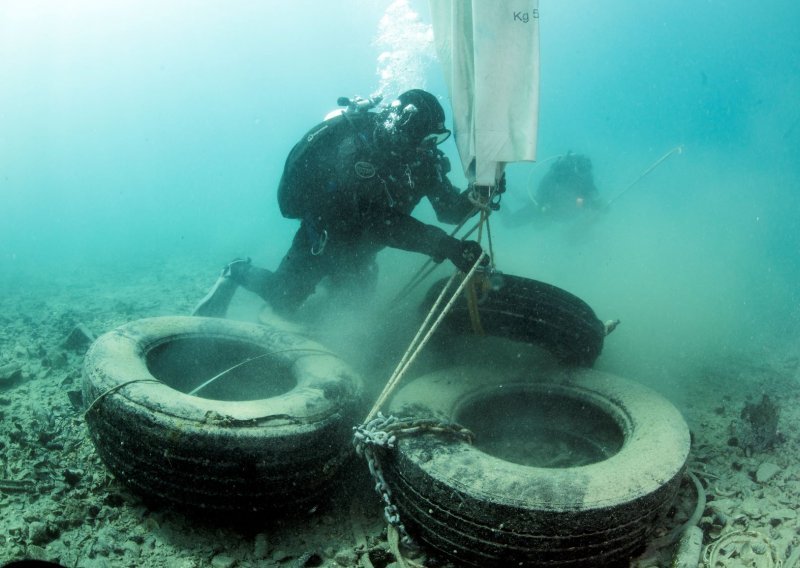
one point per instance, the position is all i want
(353, 181)
(568, 187)
(566, 190)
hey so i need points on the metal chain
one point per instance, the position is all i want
(380, 434)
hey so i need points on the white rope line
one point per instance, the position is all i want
(416, 344)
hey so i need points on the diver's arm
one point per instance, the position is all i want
(407, 233)
(451, 205)
(401, 231)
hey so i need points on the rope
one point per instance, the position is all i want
(377, 436)
(472, 308)
(419, 340)
(394, 539)
(654, 165)
(490, 242)
(380, 433)
(114, 389)
(412, 350)
(700, 505)
(471, 292)
(429, 266)
(197, 389)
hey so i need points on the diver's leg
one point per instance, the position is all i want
(216, 302)
(285, 289)
(297, 275)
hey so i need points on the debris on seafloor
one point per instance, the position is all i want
(10, 374)
(79, 338)
(756, 429)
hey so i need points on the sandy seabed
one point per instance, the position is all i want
(59, 503)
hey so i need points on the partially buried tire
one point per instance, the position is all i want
(533, 312)
(270, 433)
(572, 469)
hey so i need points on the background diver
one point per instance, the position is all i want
(566, 190)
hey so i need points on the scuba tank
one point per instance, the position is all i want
(305, 178)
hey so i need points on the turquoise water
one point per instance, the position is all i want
(141, 144)
(133, 133)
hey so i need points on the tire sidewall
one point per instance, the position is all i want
(157, 438)
(475, 489)
(120, 357)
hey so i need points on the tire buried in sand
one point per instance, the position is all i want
(270, 433)
(572, 468)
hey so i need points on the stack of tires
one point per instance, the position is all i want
(570, 466)
(595, 460)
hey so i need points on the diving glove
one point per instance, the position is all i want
(463, 254)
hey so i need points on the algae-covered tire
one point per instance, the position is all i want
(533, 312)
(271, 432)
(571, 469)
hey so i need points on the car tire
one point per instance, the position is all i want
(481, 509)
(533, 312)
(272, 434)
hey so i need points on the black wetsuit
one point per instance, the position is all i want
(354, 194)
(568, 187)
